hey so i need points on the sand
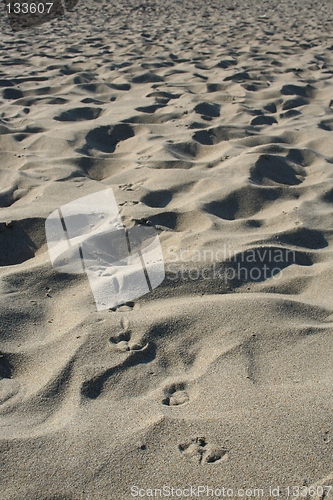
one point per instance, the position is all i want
(212, 123)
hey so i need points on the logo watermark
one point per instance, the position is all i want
(87, 235)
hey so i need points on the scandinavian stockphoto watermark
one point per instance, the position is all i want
(123, 264)
(214, 492)
(228, 263)
(87, 235)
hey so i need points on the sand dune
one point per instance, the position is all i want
(211, 122)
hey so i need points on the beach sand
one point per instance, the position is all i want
(212, 122)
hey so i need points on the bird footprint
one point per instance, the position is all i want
(198, 450)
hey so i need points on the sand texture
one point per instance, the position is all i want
(212, 122)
